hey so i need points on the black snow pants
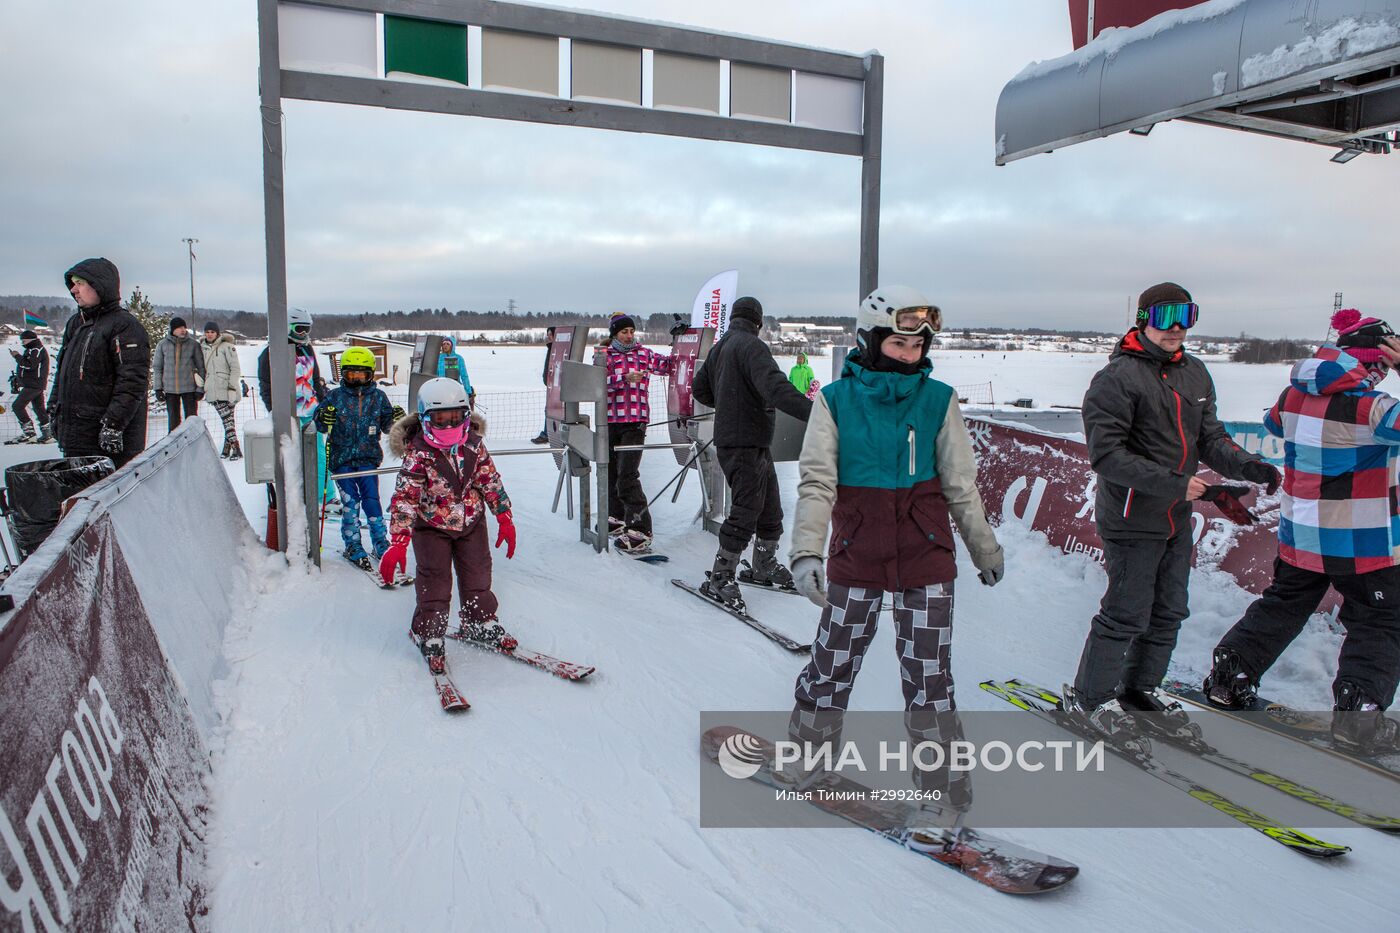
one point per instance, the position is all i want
(1131, 639)
(754, 506)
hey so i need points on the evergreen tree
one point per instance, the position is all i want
(156, 325)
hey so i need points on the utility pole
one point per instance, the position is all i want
(510, 305)
(190, 242)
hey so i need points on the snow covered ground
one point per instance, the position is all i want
(346, 800)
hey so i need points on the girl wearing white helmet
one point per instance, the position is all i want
(445, 487)
(886, 464)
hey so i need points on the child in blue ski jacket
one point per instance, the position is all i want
(354, 417)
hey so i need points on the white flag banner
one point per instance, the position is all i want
(713, 301)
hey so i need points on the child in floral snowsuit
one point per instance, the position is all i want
(441, 498)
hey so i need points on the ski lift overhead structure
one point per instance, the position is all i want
(1325, 72)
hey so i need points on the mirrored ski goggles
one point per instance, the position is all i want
(447, 417)
(918, 320)
(1172, 314)
(356, 374)
(300, 330)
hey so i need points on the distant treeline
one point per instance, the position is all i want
(1257, 350)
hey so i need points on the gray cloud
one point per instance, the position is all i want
(137, 124)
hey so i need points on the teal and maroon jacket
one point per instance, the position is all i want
(889, 526)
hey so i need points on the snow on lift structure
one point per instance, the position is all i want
(515, 61)
(1325, 72)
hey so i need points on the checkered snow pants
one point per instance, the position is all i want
(923, 618)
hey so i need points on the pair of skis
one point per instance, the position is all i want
(771, 634)
(452, 699)
(1047, 704)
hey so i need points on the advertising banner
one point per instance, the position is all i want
(1045, 482)
(103, 798)
(713, 301)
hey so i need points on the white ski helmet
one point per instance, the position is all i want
(881, 309)
(441, 394)
(298, 319)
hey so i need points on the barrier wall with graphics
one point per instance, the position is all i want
(107, 669)
(1044, 481)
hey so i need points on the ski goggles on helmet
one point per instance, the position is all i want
(447, 417)
(356, 375)
(924, 319)
(1168, 314)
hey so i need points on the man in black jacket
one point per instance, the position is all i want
(740, 380)
(31, 378)
(98, 407)
(1149, 420)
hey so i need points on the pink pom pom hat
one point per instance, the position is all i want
(1361, 336)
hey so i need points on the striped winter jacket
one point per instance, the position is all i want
(1341, 441)
(628, 402)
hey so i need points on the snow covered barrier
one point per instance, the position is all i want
(107, 668)
(102, 793)
(1045, 481)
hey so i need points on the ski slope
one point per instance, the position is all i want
(346, 800)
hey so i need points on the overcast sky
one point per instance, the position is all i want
(130, 125)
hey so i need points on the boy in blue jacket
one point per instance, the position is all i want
(354, 417)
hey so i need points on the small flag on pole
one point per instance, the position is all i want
(31, 320)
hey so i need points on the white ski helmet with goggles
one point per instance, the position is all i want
(897, 309)
(298, 324)
(441, 394)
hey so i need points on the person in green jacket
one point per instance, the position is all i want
(801, 374)
(887, 465)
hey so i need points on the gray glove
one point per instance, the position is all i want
(810, 580)
(993, 574)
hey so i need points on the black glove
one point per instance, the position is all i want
(1265, 474)
(160, 395)
(680, 327)
(397, 413)
(110, 439)
(244, 384)
(1227, 498)
(326, 416)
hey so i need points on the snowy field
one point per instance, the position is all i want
(346, 800)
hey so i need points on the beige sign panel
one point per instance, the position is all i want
(611, 73)
(336, 42)
(829, 103)
(517, 61)
(685, 82)
(761, 92)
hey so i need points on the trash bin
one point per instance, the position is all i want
(36, 491)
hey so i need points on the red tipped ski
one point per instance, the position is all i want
(452, 701)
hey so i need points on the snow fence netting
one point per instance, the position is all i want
(107, 666)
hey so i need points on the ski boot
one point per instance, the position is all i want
(360, 559)
(766, 569)
(434, 653)
(1360, 726)
(1228, 685)
(487, 634)
(235, 452)
(616, 526)
(633, 541)
(1108, 719)
(719, 583)
(28, 435)
(45, 434)
(1167, 720)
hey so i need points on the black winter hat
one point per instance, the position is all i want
(27, 335)
(1164, 293)
(748, 309)
(176, 322)
(212, 326)
(619, 320)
